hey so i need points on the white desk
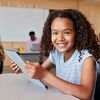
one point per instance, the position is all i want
(17, 87)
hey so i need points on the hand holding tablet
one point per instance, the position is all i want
(18, 59)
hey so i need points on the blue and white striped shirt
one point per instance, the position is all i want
(71, 70)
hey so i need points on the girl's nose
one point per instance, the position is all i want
(60, 36)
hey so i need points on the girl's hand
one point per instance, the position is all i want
(15, 68)
(35, 70)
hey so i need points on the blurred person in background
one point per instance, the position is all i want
(33, 44)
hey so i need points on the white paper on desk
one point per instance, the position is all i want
(19, 61)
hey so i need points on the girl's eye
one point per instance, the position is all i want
(66, 33)
(54, 33)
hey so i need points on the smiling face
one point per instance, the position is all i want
(63, 34)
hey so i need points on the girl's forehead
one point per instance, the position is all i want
(62, 22)
(61, 18)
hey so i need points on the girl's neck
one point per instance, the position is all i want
(67, 55)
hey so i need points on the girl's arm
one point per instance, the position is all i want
(82, 91)
(48, 65)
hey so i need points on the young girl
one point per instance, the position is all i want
(72, 44)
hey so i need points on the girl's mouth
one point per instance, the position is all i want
(61, 44)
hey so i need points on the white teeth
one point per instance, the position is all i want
(61, 45)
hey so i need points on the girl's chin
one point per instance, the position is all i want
(62, 50)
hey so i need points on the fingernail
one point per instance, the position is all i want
(27, 62)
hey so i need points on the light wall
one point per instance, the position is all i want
(92, 12)
(90, 8)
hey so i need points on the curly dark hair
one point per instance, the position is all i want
(85, 34)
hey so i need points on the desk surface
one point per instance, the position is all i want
(18, 87)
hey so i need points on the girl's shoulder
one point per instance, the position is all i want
(85, 53)
(82, 55)
(55, 52)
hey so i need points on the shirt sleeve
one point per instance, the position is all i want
(52, 56)
(85, 55)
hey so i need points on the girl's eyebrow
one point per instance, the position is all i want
(63, 29)
(68, 29)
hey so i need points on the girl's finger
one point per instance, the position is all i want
(17, 70)
(32, 62)
(13, 65)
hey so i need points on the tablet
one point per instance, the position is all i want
(19, 60)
